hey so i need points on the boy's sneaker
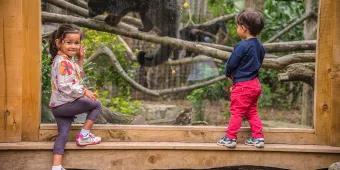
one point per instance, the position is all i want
(224, 141)
(91, 139)
(257, 142)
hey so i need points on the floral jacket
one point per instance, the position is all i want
(66, 81)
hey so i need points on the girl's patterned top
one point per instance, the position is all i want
(66, 81)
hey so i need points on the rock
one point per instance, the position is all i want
(82, 117)
(160, 111)
(334, 166)
(138, 120)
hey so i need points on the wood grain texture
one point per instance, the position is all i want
(335, 81)
(31, 74)
(140, 133)
(166, 155)
(11, 67)
(327, 105)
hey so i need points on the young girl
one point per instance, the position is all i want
(69, 97)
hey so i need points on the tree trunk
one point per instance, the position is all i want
(307, 90)
(254, 4)
(199, 9)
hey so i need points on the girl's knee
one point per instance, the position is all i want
(98, 105)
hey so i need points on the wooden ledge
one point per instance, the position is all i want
(172, 146)
(173, 128)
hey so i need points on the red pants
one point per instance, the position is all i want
(244, 97)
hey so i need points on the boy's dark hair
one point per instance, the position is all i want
(252, 20)
(60, 33)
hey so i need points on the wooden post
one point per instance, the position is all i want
(327, 107)
(11, 56)
(31, 104)
(20, 70)
(335, 81)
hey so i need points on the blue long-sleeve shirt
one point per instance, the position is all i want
(245, 60)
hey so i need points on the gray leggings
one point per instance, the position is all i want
(64, 115)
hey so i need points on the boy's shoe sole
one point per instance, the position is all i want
(231, 146)
(259, 145)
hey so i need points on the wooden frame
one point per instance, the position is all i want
(20, 45)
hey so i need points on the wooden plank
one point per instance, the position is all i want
(2, 75)
(180, 134)
(172, 146)
(323, 98)
(335, 81)
(31, 71)
(13, 50)
(164, 159)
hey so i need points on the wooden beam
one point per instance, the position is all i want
(31, 71)
(166, 155)
(207, 134)
(327, 101)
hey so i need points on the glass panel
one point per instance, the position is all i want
(163, 82)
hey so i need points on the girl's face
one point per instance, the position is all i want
(70, 45)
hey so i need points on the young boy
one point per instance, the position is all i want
(243, 67)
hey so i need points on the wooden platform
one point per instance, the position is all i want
(167, 155)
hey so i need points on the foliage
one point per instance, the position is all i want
(45, 72)
(275, 93)
(198, 97)
(99, 73)
(277, 12)
(122, 104)
(114, 92)
(224, 7)
(46, 84)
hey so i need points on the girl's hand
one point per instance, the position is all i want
(81, 53)
(90, 94)
(80, 56)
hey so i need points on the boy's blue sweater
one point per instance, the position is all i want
(245, 60)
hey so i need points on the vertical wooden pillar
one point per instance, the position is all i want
(335, 81)
(19, 70)
(31, 103)
(11, 57)
(327, 87)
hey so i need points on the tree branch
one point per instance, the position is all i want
(221, 18)
(282, 62)
(130, 54)
(299, 72)
(107, 52)
(80, 10)
(123, 30)
(274, 47)
(306, 16)
(69, 6)
(80, 3)
(290, 46)
(188, 60)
